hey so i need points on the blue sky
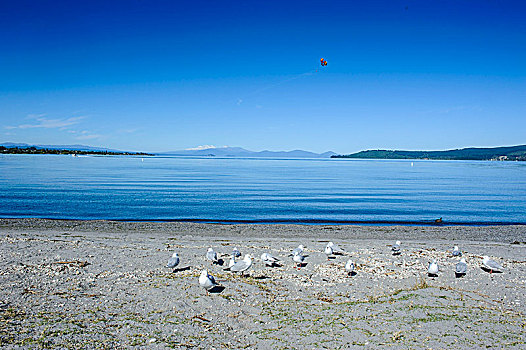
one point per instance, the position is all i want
(169, 75)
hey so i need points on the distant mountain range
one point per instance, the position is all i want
(66, 147)
(496, 153)
(241, 152)
(204, 151)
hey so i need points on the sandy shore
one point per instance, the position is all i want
(99, 284)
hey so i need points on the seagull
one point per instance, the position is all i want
(328, 251)
(456, 251)
(207, 281)
(230, 263)
(211, 255)
(432, 269)
(173, 261)
(335, 248)
(396, 248)
(298, 250)
(242, 265)
(491, 265)
(236, 253)
(349, 267)
(268, 259)
(461, 268)
(298, 259)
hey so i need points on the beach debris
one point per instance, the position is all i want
(396, 248)
(456, 251)
(298, 250)
(236, 253)
(173, 261)
(207, 281)
(298, 259)
(211, 255)
(432, 269)
(242, 265)
(268, 259)
(461, 268)
(335, 248)
(349, 267)
(491, 265)
(328, 251)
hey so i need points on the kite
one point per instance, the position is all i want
(323, 62)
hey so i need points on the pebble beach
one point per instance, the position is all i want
(104, 285)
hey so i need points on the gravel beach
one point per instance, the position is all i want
(104, 285)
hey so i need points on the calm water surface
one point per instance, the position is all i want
(261, 190)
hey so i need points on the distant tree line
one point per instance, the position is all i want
(35, 150)
(514, 153)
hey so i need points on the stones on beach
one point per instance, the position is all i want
(432, 269)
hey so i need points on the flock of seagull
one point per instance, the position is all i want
(208, 282)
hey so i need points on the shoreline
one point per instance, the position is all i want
(500, 233)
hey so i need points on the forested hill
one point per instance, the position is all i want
(497, 153)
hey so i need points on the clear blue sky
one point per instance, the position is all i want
(168, 75)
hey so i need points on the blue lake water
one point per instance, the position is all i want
(261, 190)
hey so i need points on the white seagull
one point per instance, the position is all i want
(242, 265)
(329, 251)
(461, 268)
(396, 248)
(173, 261)
(298, 259)
(211, 255)
(298, 250)
(207, 281)
(335, 248)
(432, 269)
(349, 267)
(236, 253)
(268, 259)
(491, 265)
(456, 251)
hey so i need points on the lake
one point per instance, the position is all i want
(262, 190)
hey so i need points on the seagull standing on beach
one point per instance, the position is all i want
(461, 268)
(456, 251)
(328, 251)
(211, 255)
(173, 261)
(298, 259)
(396, 248)
(298, 250)
(491, 265)
(432, 269)
(230, 263)
(242, 265)
(207, 281)
(349, 267)
(236, 253)
(335, 248)
(268, 259)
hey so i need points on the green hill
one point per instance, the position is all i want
(497, 153)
